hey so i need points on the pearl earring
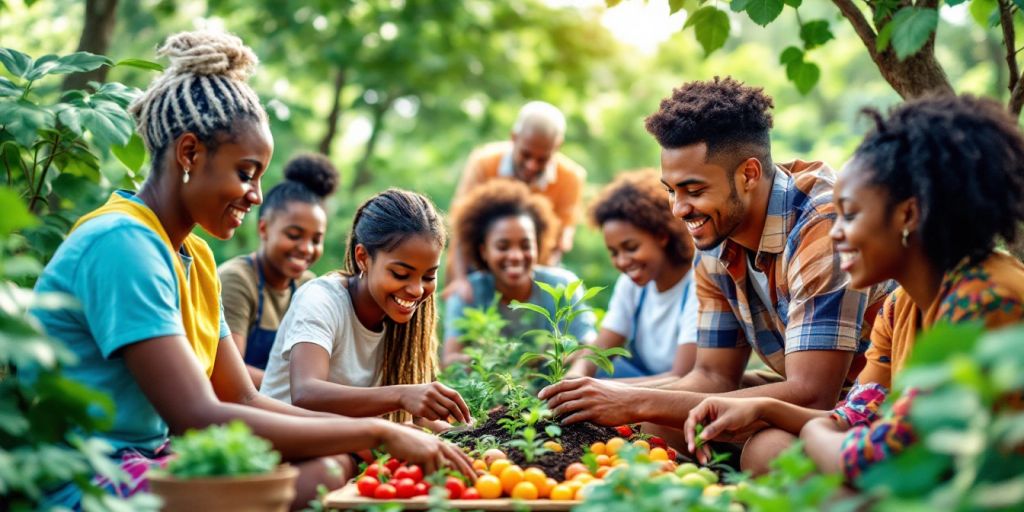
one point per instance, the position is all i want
(906, 233)
(184, 177)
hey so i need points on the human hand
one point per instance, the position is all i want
(434, 401)
(416, 446)
(587, 399)
(722, 418)
(459, 286)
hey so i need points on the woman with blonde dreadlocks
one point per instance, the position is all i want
(361, 342)
(149, 332)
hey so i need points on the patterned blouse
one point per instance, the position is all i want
(991, 291)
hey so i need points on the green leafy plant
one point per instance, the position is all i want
(529, 440)
(222, 450)
(559, 344)
(52, 146)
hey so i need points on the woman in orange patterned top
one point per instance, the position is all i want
(926, 197)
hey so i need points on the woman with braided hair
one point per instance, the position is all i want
(149, 331)
(361, 341)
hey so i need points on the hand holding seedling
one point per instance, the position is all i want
(586, 399)
(434, 401)
(721, 418)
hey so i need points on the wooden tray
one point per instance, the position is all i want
(348, 498)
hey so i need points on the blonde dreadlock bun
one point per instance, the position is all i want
(209, 53)
(202, 91)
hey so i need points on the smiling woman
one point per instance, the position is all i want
(361, 342)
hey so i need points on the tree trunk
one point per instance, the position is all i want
(332, 119)
(916, 75)
(100, 18)
(363, 168)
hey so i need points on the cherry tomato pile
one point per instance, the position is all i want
(396, 480)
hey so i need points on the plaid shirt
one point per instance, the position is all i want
(816, 310)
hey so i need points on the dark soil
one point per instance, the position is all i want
(575, 439)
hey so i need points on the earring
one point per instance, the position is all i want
(906, 233)
(184, 177)
(361, 273)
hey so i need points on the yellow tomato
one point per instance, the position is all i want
(658, 454)
(499, 465)
(598, 448)
(562, 492)
(524, 491)
(613, 445)
(603, 460)
(489, 487)
(511, 476)
(643, 445)
(553, 446)
(584, 478)
(479, 464)
(535, 476)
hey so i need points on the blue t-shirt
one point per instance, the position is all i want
(123, 277)
(519, 321)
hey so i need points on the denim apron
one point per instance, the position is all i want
(260, 340)
(634, 366)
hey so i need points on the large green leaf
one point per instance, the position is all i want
(711, 26)
(79, 62)
(515, 305)
(108, 122)
(141, 64)
(118, 93)
(764, 12)
(911, 29)
(16, 62)
(23, 120)
(791, 54)
(16, 215)
(815, 33)
(7, 88)
(804, 75)
(132, 155)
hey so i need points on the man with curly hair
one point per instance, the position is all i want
(768, 275)
(530, 156)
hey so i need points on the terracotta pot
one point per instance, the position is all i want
(254, 493)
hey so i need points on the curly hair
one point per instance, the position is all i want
(963, 159)
(639, 198)
(308, 178)
(474, 215)
(728, 116)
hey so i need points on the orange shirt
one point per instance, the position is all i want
(562, 183)
(991, 292)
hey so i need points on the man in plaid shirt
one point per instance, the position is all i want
(768, 276)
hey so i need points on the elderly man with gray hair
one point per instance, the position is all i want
(531, 156)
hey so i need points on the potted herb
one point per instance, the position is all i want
(224, 468)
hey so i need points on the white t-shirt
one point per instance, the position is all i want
(665, 321)
(321, 313)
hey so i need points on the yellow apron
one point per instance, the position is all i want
(199, 293)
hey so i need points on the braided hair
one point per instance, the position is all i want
(203, 91)
(963, 159)
(308, 178)
(382, 223)
(638, 198)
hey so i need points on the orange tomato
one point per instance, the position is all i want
(479, 464)
(603, 460)
(549, 483)
(535, 476)
(574, 469)
(562, 492)
(489, 487)
(499, 465)
(524, 491)
(511, 476)
(614, 444)
(598, 448)
(603, 471)
(658, 454)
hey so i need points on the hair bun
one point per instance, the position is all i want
(314, 171)
(209, 52)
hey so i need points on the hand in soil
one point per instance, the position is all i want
(587, 399)
(424, 449)
(434, 401)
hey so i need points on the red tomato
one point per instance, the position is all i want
(470, 494)
(367, 485)
(385, 492)
(624, 431)
(657, 442)
(672, 454)
(377, 471)
(455, 487)
(392, 464)
(412, 472)
(422, 489)
(404, 487)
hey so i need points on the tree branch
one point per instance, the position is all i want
(42, 174)
(860, 24)
(1009, 40)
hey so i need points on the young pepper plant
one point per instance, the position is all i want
(560, 344)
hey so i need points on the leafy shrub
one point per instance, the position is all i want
(228, 450)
